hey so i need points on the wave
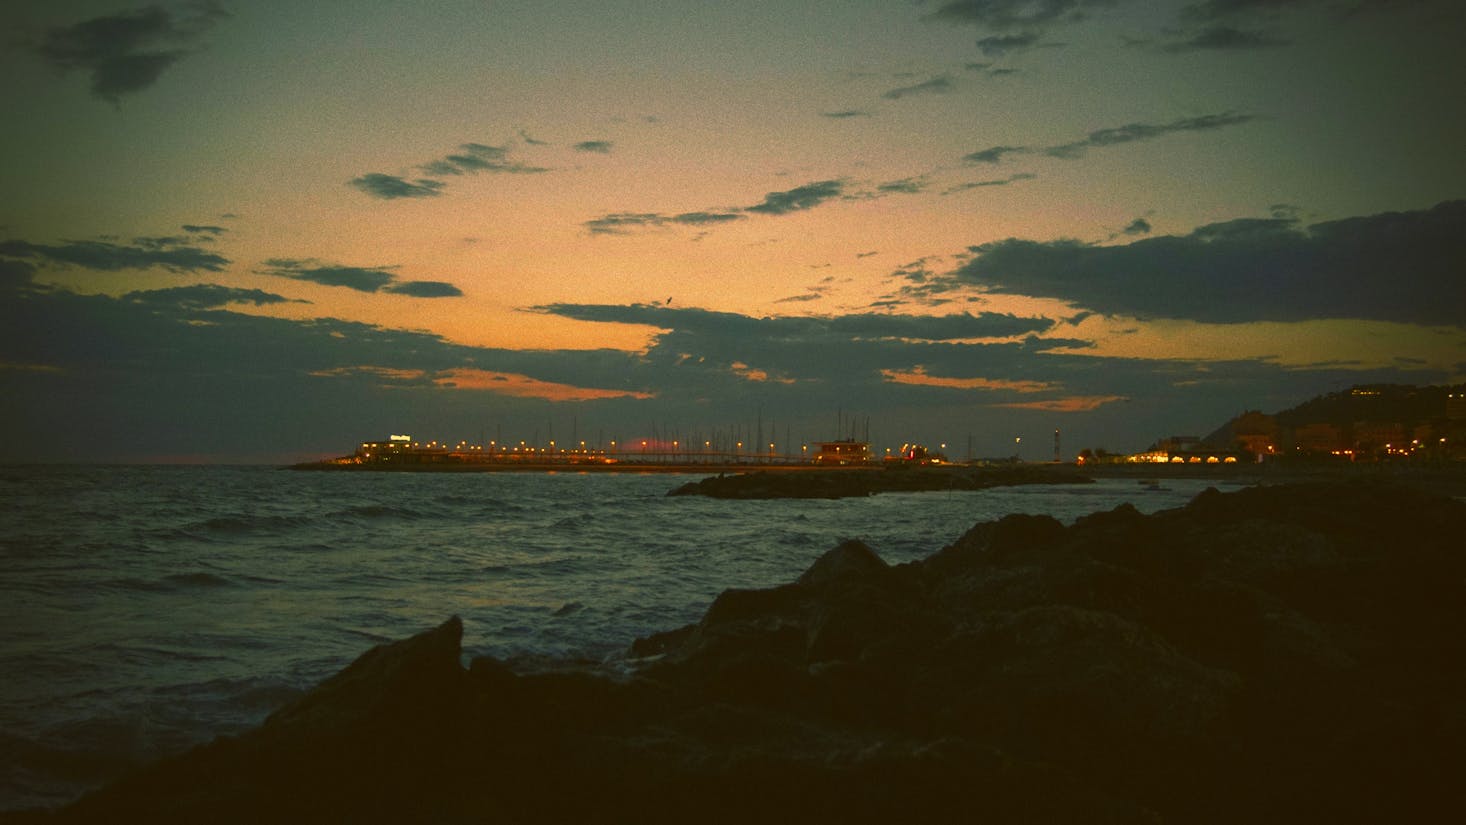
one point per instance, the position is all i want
(246, 524)
(198, 580)
(170, 584)
(373, 511)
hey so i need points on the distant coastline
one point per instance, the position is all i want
(1444, 478)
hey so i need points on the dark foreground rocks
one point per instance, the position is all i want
(1284, 655)
(861, 481)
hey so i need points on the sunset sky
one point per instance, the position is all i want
(266, 231)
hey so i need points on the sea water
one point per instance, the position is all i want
(147, 609)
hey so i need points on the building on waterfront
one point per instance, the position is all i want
(1456, 406)
(847, 451)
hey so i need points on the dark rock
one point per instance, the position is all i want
(850, 560)
(804, 482)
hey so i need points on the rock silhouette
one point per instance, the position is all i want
(1286, 654)
(867, 481)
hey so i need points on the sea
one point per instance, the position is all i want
(147, 609)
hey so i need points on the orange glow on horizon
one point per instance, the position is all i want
(523, 386)
(754, 374)
(1078, 403)
(917, 376)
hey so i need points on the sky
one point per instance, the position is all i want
(268, 231)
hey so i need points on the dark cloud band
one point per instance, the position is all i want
(1396, 266)
(369, 279)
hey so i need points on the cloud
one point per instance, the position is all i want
(993, 154)
(1132, 132)
(1395, 266)
(814, 364)
(905, 186)
(1099, 138)
(1009, 14)
(524, 386)
(844, 115)
(1071, 404)
(602, 147)
(799, 198)
(1014, 178)
(425, 289)
(127, 52)
(937, 85)
(391, 187)
(1231, 9)
(937, 327)
(705, 218)
(361, 279)
(1139, 226)
(369, 279)
(144, 253)
(345, 381)
(619, 223)
(470, 159)
(918, 376)
(475, 158)
(802, 298)
(15, 274)
(207, 231)
(1000, 44)
(1225, 38)
(205, 296)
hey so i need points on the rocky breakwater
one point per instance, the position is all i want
(1290, 654)
(860, 481)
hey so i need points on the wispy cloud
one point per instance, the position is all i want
(905, 186)
(524, 386)
(937, 85)
(470, 159)
(425, 289)
(618, 223)
(1132, 132)
(391, 187)
(845, 114)
(474, 158)
(993, 154)
(126, 52)
(799, 198)
(999, 45)
(982, 184)
(205, 296)
(783, 202)
(1016, 14)
(1069, 404)
(1224, 38)
(919, 377)
(600, 147)
(171, 254)
(360, 278)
